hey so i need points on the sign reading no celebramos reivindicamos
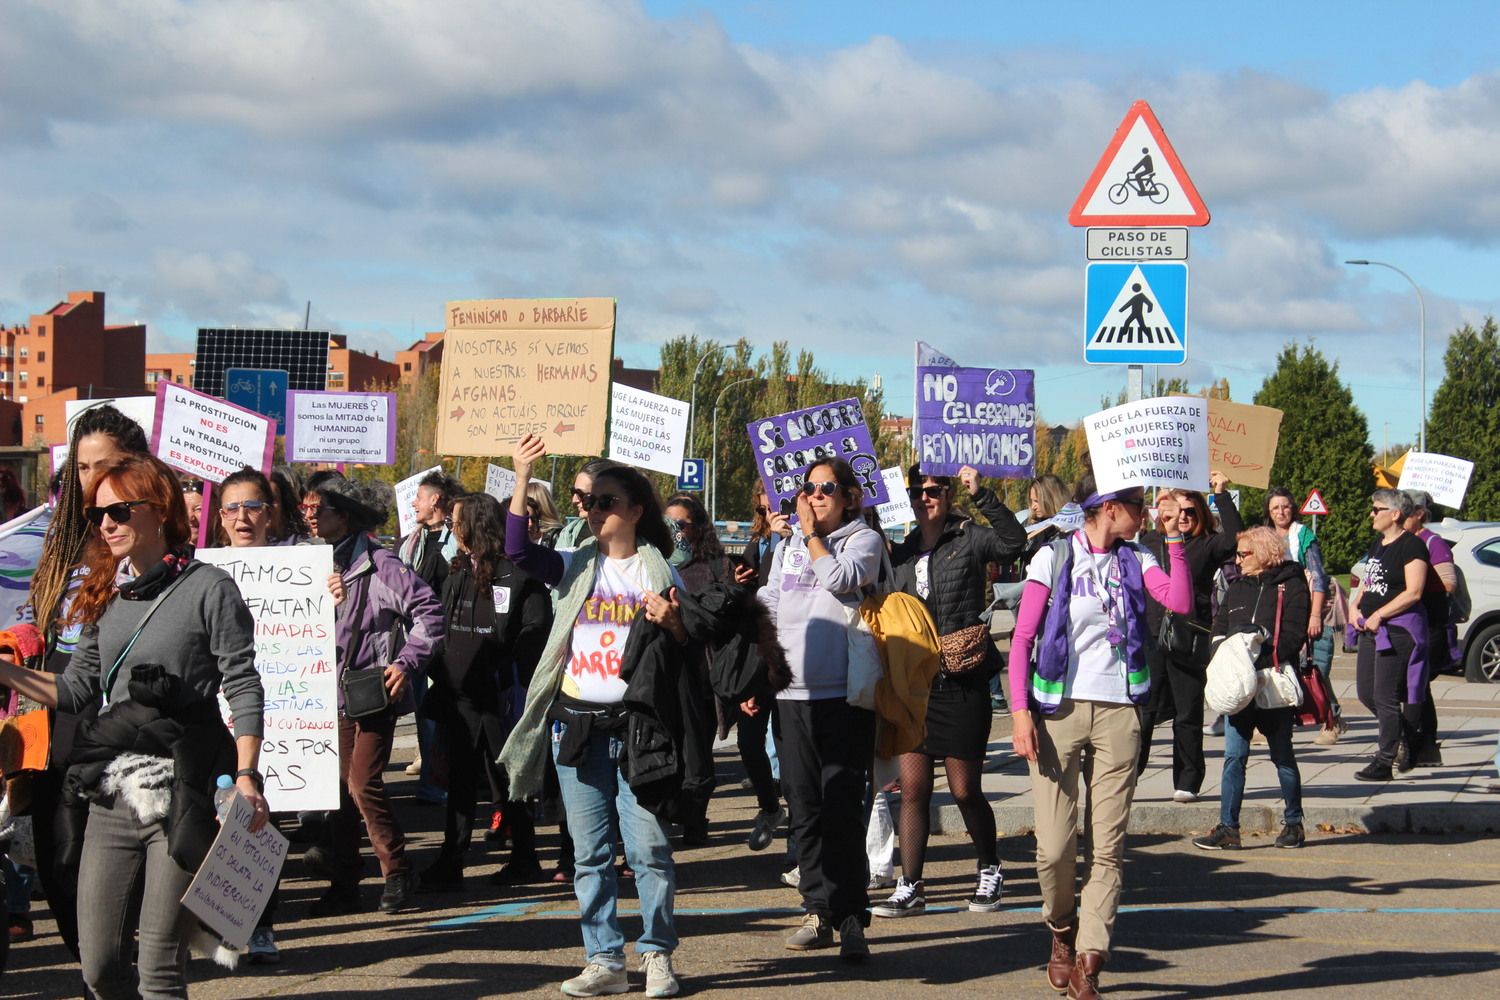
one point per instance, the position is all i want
(786, 446)
(513, 367)
(1447, 479)
(1152, 442)
(647, 430)
(984, 417)
(231, 889)
(341, 427)
(406, 492)
(286, 589)
(206, 437)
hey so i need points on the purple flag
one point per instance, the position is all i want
(984, 417)
(787, 445)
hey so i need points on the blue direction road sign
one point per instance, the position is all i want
(691, 480)
(1135, 314)
(260, 389)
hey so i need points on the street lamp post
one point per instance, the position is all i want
(1422, 320)
(693, 400)
(713, 483)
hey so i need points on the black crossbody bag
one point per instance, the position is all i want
(364, 689)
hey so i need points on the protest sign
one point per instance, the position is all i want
(206, 437)
(59, 456)
(1447, 479)
(984, 417)
(1151, 442)
(236, 880)
(896, 511)
(341, 427)
(141, 409)
(513, 367)
(500, 482)
(1242, 441)
(786, 446)
(286, 589)
(647, 431)
(21, 540)
(406, 492)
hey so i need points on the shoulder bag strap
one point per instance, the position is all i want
(1276, 629)
(114, 671)
(357, 624)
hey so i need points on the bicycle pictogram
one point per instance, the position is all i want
(1141, 180)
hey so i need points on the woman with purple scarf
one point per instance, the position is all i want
(1084, 612)
(1391, 626)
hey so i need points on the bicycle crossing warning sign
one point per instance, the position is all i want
(1139, 181)
(1135, 314)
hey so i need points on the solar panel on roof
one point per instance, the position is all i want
(302, 354)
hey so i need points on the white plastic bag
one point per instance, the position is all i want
(1278, 687)
(865, 665)
(1231, 683)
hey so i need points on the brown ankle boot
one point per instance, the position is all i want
(1060, 965)
(1084, 984)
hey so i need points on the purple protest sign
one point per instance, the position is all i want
(984, 417)
(787, 445)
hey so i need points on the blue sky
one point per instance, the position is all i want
(847, 176)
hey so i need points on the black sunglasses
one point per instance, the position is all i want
(117, 512)
(604, 501)
(827, 489)
(930, 492)
(761, 508)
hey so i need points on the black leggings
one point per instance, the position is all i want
(916, 808)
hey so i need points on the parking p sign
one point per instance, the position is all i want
(693, 472)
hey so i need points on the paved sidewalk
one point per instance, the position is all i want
(1452, 798)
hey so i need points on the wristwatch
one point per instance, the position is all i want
(253, 775)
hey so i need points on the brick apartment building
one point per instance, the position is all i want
(413, 362)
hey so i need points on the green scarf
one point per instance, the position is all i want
(524, 754)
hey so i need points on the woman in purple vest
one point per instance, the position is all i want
(1084, 610)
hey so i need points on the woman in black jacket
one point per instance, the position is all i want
(943, 564)
(1178, 676)
(1271, 595)
(498, 618)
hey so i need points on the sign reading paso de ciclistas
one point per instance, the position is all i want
(984, 417)
(787, 445)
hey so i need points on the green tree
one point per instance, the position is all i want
(1465, 417)
(1325, 445)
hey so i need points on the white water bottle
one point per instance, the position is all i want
(223, 796)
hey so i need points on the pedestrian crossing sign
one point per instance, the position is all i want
(1135, 314)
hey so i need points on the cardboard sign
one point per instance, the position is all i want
(206, 437)
(1447, 479)
(286, 589)
(141, 409)
(1242, 441)
(984, 417)
(513, 367)
(1151, 442)
(787, 445)
(647, 430)
(341, 427)
(406, 492)
(231, 889)
(895, 512)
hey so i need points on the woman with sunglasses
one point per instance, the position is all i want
(1302, 548)
(1270, 596)
(1390, 622)
(942, 564)
(825, 744)
(199, 640)
(1083, 615)
(577, 527)
(575, 704)
(1178, 674)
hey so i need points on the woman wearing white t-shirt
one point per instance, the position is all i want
(574, 702)
(1080, 693)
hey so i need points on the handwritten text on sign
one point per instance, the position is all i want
(1242, 441)
(787, 445)
(406, 492)
(341, 427)
(1447, 479)
(231, 889)
(513, 367)
(1152, 442)
(206, 437)
(647, 430)
(286, 589)
(984, 417)
(896, 511)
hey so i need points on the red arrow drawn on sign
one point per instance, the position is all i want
(562, 428)
(458, 413)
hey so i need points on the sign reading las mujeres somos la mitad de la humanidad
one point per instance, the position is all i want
(341, 427)
(513, 367)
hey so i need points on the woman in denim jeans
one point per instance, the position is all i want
(1271, 595)
(575, 704)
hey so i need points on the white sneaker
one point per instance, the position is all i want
(661, 981)
(1183, 795)
(596, 980)
(415, 767)
(907, 901)
(986, 898)
(878, 882)
(792, 878)
(262, 949)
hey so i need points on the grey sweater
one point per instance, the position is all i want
(202, 633)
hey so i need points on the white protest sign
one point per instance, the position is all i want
(647, 430)
(286, 589)
(896, 511)
(59, 456)
(341, 427)
(499, 482)
(1447, 479)
(206, 437)
(141, 409)
(1151, 442)
(231, 889)
(406, 492)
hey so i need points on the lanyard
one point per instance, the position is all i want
(1107, 597)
